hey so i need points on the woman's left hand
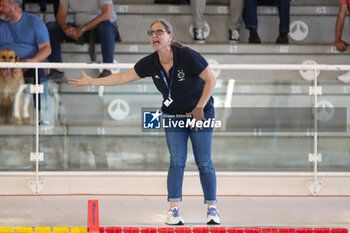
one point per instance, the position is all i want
(198, 115)
(83, 81)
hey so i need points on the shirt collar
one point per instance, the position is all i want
(175, 58)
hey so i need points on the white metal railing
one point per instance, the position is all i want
(163, 174)
(314, 185)
(324, 67)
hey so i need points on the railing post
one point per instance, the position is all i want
(36, 185)
(314, 157)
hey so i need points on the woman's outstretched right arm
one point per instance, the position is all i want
(111, 80)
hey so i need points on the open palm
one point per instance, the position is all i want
(83, 81)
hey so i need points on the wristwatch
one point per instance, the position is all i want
(82, 28)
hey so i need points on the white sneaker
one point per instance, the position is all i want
(174, 217)
(198, 36)
(233, 37)
(345, 78)
(213, 216)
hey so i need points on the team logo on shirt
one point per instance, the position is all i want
(180, 75)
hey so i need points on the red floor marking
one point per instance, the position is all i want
(131, 230)
(183, 230)
(322, 230)
(305, 230)
(289, 230)
(218, 230)
(149, 230)
(113, 230)
(339, 230)
(270, 230)
(235, 230)
(165, 230)
(200, 229)
(252, 230)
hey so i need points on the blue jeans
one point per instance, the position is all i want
(106, 33)
(251, 19)
(201, 143)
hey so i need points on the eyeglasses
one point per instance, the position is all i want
(158, 32)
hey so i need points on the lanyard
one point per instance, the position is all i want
(166, 82)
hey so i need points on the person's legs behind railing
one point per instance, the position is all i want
(251, 20)
(108, 32)
(284, 15)
(57, 35)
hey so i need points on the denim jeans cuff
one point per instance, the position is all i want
(175, 199)
(251, 26)
(210, 202)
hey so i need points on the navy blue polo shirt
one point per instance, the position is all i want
(184, 81)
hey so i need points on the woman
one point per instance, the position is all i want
(186, 83)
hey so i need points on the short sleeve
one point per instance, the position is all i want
(195, 61)
(343, 1)
(143, 66)
(41, 33)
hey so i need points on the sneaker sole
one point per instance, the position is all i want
(177, 224)
(212, 222)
